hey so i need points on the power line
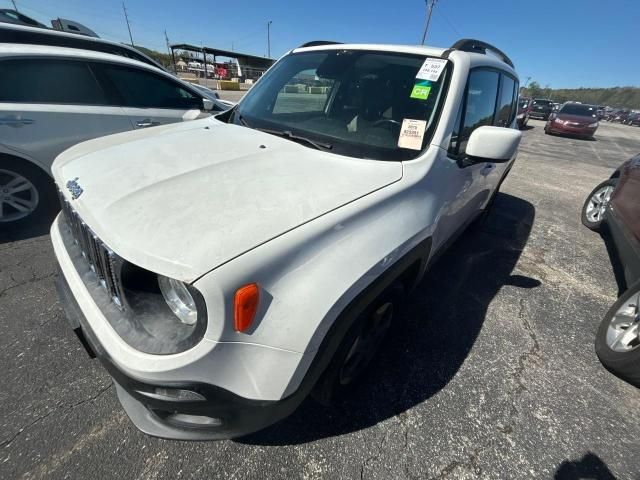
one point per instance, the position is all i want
(441, 13)
(15, 7)
(126, 17)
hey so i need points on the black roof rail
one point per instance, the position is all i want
(478, 46)
(317, 43)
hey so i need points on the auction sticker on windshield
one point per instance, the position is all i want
(421, 90)
(431, 69)
(411, 134)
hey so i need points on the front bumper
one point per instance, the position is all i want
(220, 415)
(584, 132)
(539, 115)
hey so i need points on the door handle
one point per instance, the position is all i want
(15, 121)
(146, 123)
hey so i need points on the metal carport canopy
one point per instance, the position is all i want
(246, 59)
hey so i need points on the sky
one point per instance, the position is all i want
(560, 43)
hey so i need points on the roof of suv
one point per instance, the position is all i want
(19, 49)
(476, 57)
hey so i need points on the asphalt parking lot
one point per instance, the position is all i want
(494, 374)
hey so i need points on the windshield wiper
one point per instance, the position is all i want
(291, 136)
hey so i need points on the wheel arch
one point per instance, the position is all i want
(7, 157)
(407, 270)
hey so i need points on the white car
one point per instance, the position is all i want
(220, 288)
(54, 97)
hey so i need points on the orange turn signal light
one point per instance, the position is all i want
(245, 306)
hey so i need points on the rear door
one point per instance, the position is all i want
(49, 104)
(506, 109)
(149, 98)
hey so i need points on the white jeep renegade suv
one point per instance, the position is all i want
(223, 269)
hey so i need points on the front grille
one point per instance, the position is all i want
(104, 263)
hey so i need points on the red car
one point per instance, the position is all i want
(576, 119)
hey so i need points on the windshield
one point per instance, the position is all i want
(543, 103)
(524, 102)
(577, 109)
(349, 102)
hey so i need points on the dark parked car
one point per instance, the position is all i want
(613, 208)
(541, 108)
(524, 106)
(619, 116)
(576, 119)
(633, 119)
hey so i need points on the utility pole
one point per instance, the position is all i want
(170, 50)
(15, 7)
(525, 83)
(126, 17)
(269, 38)
(430, 5)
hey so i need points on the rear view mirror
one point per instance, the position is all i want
(494, 144)
(207, 105)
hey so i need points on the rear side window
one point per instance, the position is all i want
(506, 104)
(37, 80)
(137, 88)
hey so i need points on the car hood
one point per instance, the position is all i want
(183, 199)
(577, 118)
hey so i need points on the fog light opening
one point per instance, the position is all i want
(194, 420)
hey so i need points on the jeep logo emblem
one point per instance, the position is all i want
(74, 187)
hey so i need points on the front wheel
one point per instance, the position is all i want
(618, 338)
(27, 194)
(360, 346)
(596, 204)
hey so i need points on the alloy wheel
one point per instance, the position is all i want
(624, 329)
(598, 204)
(18, 196)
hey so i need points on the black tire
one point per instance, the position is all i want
(340, 375)
(590, 202)
(46, 199)
(625, 365)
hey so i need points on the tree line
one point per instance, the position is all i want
(621, 97)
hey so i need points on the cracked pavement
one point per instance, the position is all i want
(492, 375)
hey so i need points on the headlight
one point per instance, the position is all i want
(557, 120)
(179, 299)
(593, 125)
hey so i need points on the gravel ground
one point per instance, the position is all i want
(493, 375)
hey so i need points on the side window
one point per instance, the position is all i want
(138, 88)
(38, 80)
(479, 107)
(506, 106)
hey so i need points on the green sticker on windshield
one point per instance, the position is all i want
(421, 90)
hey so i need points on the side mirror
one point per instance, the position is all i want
(493, 144)
(207, 104)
